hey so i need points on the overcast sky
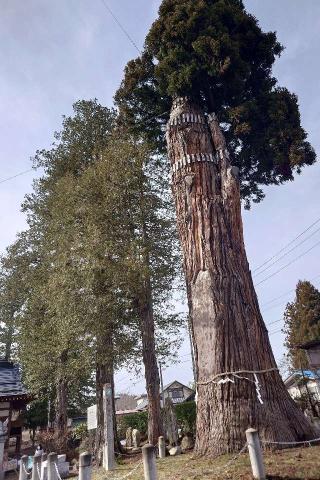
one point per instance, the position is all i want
(53, 53)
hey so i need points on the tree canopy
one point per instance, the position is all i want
(69, 284)
(215, 52)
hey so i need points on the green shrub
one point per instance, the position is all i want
(80, 431)
(186, 416)
(186, 419)
(137, 420)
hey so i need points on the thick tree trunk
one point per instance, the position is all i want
(150, 364)
(104, 374)
(61, 406)
(228, 329)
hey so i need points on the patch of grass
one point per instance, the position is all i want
(292, 464)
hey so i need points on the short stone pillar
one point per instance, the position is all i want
(255, 454)
(162, 447)
(23, 472)
(43, 467)
(52, 463)
(36, 468)
(85, 466)
(149, 462)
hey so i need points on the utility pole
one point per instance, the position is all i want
(49, 409)
(161, 383)
(108, 451)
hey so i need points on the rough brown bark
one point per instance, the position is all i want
(61, 406)
(228, 329)
(150, 363)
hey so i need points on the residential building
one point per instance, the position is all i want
(176, 391)
(300, 383)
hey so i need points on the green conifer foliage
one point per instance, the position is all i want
(215, 52)
(302, 322)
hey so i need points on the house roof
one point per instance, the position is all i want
(298, 374)
(176, 381)
(11, 387)
(309, 345)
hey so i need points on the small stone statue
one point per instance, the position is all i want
(170, 422)
(136, 438)
(129, 437)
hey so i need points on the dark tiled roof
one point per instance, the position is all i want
(309, 345)
(10, 381)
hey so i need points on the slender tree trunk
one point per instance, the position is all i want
(104, 374)
(228, 329)
(61, 406)
(9, 342)
(144, 305)
(150, 364)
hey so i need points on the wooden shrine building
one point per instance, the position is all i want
(13, 400)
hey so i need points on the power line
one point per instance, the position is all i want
(17, 175)
(274, 322)
(287, 253)
(281, 296)
(288, 264)
(276, 331)
(121, 26)
(287, 245)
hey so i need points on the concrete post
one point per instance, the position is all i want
(23, 468)
(85, 466)
(44, 457)
(51, 469)
(3, 438)
(149, 462)
(36, 467)
(108, 450)
(255, 454)
(162, 447)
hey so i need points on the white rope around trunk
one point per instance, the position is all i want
(236, 374)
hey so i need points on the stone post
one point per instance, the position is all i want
(255, 454)
(85, 466)
(52, 460)
(44, 457)
(23, 468)
(149, 462)
(36, 467)
(162, 447)
(108, 451)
